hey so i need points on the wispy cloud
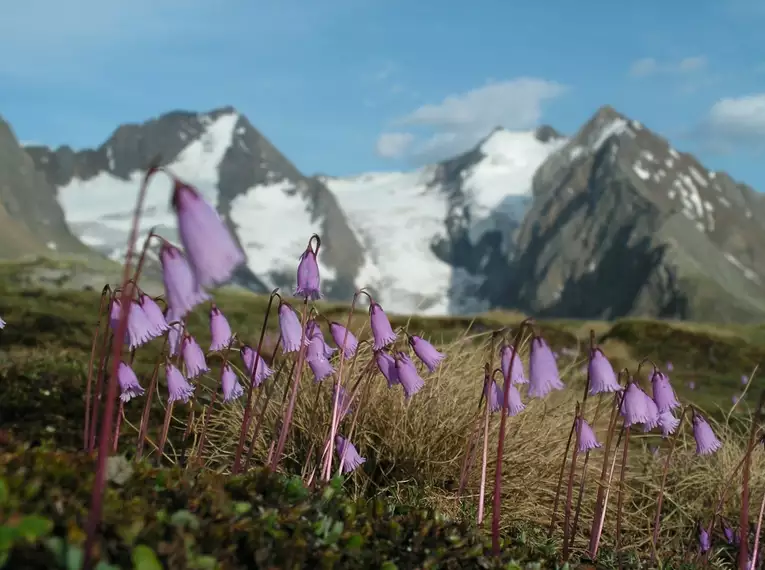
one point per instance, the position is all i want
(649, 66)
(735, 123)
(393, 145)
(460, 120)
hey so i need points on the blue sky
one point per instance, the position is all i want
(345, 86)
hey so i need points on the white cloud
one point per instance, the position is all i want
(394, 145)
(736, 122)
(460, 120)
(649, 66)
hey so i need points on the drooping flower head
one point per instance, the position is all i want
(174, 335)
(211, 250)
(663, 394)
(139, 329)
(289, 326)
(153, 313)
(426, 352)
(177, 386)
(230, 384)
(506, 356)
(543, 370)
(587, 439)
(731, 536)
(348, 455)
(220, 330)
(668, 423)
(652, 413)
(193, 357)
(2, 324)
(602, 376)
(705, 541)
(382, 332)
(706, 441)
(407, 375)
(634, 410)
(263, 371)
(181, 292)
(494, 397)
(318, 363)
(387, 365)
(338, 333)
(343, 400)
(514, 404)
(308, 281)
(129, 386)
(312, 329)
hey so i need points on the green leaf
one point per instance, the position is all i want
(74, 557)
(241, 508)
(144, 559)
(4, 494)
(33, 527)
(184, 518)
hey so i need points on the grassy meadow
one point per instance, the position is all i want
(404, 507)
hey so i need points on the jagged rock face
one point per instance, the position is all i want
(623, 224)
(271, 207)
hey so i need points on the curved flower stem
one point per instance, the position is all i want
(144, 426)
(488, 379)
(620, 499)
(556, 501)
(105, 295)
(497, 498)
(245, 427)
(103, 362)
(640, 365)
(293, 393)
(580, 496)
(105, 432)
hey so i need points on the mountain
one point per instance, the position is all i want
(621, 224)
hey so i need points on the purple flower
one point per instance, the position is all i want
(211, 250)
(669, 367)
(181, 292)
(587, 439)
(706, 441)
(319, 364)
(153, 313)
(174, 336)
(129, 386)
(692, 385)
(514, 404)
(308, 282)
(343, 400)
(426, 352)
(349, 457)
(668, 423)
(494, 397)
(230, 384)
(2, 323)
(634, 408)
(381, 330)
(744, 379)
(312, 329)
(248, 357)
(735, 398)
(387, 365)
(220, 330)
(543, 370)
(139, 329)
(705, 542)
(602, 376)
(193, 357)
(338, 333)
(289, 326)
(652, 412)
(407, 375)
(731, 536)
(177, 386)
(505, 354)
(663, 394)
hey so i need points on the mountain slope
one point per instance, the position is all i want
(623, 224)
(270, 205)
(437, 238)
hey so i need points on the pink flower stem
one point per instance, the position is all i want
(118, 425)
(106, 341)
(620, 499)
(144, 426)
(755, 550)
(556, 501)
(357, 409)
(485, 452)
(497, 498)
(103, 304)
(104, 443)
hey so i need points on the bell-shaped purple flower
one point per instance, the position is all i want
(308, 281)
(543, 370)
(587, 439)
(343, 400)
(174, 336)
(705, 541)
(731, 536)
(230, 384)
(153, 313)
(193, 357)
(220, 330)
(129, 386)
(248, 357)
(426, 352)
(507, 355)
(349, 457)
(312, 329)
(603, 379)
(289, 326)
(318, 363)
(668, 423)
(663, 394)
(387, 365)
(514, 404)
(211, 250)
(2, 324)
(407, 375)
(382, 332)
(494, 397)
(652, 412)
(177, 386)
(634, 409)
(181, 291)
(139, 329)
(338, 333)
(706, 441)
